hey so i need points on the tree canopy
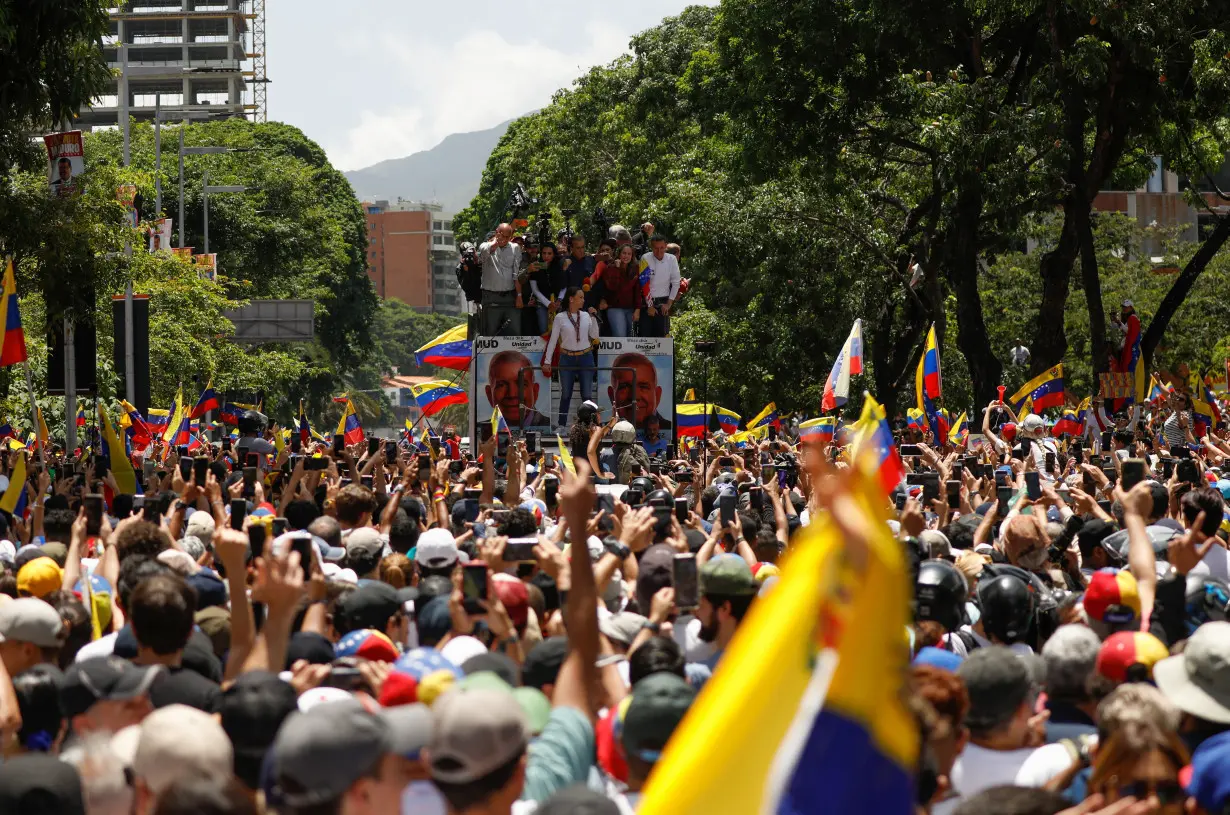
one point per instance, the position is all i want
(825, 161)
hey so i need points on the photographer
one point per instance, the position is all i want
(501, 298)
(528, 324)
(470, 273)
(579, 269)
(663, 288)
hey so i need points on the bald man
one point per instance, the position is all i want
(501, 260)
(509, 388)
(636, 405)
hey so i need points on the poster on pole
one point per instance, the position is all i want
(507, 371)
(65, 161)
(207, 265)
(126, 194)
(636, 376)
(160, 235)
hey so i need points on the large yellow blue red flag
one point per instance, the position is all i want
(928, 388)
(835, 734)
(120, 466)
(349, 426)
(13, 348)
(565, 456)
(449, 350)
(960, 430)
(14, 499)
(874, 451)
(1043, 391)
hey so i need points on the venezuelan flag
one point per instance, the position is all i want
(7, 431)
(766, 418)
(207, 402)
(15, 499)
(1069, 424)
(1137, 368)
(819, 430)
(1043, 391)
(81, 417)
(960, 430)
(927, 386)
(13, 350)
(349, 425)
(643, 277)
(113, 449)
(727, 420)
(449, 350)
(874, 449)
(849, 362)
(305, 427)
(229, 413)
(157, 421)
(915, 417)
(565, 455)
(434, 396)
(44, 435)
(691, 419)
(498, 425)
(835, 734)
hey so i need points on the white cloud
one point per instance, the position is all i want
(471, 83)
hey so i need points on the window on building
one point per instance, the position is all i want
(373, 210)
(448, 226)
(437, 226)
(372, 241)
(448, 240)
(438, 240)
(373, 255)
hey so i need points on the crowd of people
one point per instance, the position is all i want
(522, 283)
(389, 626)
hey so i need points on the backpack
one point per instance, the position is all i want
(634, 454)
(967, 639)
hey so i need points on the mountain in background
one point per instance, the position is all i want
(448, 173)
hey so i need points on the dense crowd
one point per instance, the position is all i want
(392, 627)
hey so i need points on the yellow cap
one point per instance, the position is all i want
(39, 577)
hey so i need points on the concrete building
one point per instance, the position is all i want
(1161, 202)
(195, 54)
(411, 254)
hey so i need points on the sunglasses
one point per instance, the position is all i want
(1167, 792)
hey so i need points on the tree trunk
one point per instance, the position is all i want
(893, 351)
(1093, 292)
(1050, 341)
(1181, 288)
(985, 369)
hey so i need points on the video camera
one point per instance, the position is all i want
(520, 201)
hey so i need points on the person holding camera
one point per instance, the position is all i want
(619, 290)
(547, 285)
(663, 288)
(501, 261)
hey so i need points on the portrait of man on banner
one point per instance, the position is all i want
(65, 161)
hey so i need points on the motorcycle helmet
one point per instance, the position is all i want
(1205, 599)
(1008, 606)
(623, 432)
(642, 483)
(939, 593)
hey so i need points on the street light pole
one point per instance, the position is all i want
(130, 354)
(181, 187)
(205, 202)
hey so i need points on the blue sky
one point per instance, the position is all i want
(376, 79)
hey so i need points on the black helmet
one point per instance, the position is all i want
(1008, 606)
(660, 498)
(940, 594)
(1206, 599)
(644, 484)
(250, 421)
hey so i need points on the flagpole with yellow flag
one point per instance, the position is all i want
(834, 735)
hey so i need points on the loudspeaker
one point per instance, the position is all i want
(140, 348)
(85, 344)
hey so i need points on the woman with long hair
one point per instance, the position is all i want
(619, 279)
(573, 333)
(1143, 761)
(546, 285)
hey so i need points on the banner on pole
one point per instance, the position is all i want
(1117, 386)
(65, 161)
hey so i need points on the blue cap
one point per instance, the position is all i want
(938, 658)
(1210, 778)
(1223, 487)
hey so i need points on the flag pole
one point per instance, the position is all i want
(42, 447)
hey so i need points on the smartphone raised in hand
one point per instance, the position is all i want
(1134, 470)
(473, 586)
(686, 581)
(200, 470)
(1033, 485)
(93, 504)
(726, 508)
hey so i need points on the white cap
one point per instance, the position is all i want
(459, 649)
(436, 549)
(200, 524)
(164, 754)
(1127, 304)
(1032, 424)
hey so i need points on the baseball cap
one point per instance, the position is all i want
(436, 549)
(40, 577)
(200, 525)
(659, 703)
(99, 679)
(308, 645)
(458, 649)
(475, 733)
(727, 576)
(369, 606)
(364, 541)
(419, 675)
(40, 784)
(622, 627)
(1129, 656)
(210, 590)
(938, 658)
(1198, 680)
(533, 702)
(542, 663)
(252, 710)
(410, 729)
(654, 572)
(56, 551)
(367, 643)
(178, 740)
(432, 619)
(494, 662)
(515, 597)
(1033, 423)
(998, 683)
(28, 619)
(1210, 773)
(1112, 597)
(318, 754)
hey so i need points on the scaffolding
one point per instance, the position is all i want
(260, 80)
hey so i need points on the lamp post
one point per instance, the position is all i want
(191, 151)
(208, 189)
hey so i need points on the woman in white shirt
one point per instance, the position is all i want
(574, 331)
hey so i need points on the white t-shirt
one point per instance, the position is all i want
(957, 645)
(687, 637)
(978, 768)
(1215, 564)
(1047, 761)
